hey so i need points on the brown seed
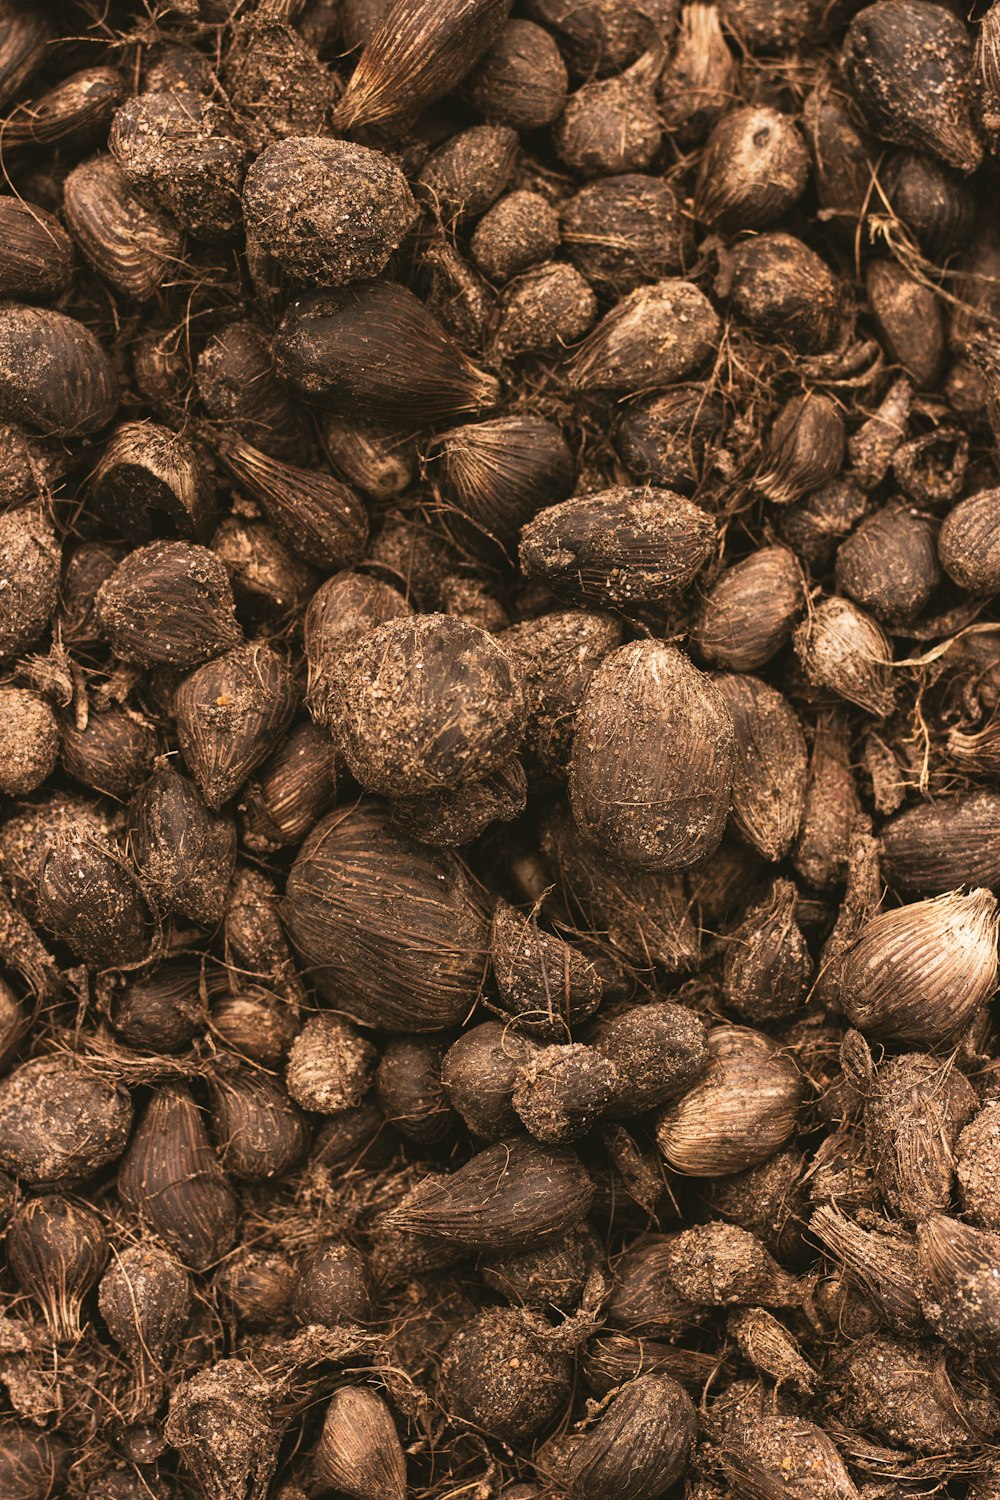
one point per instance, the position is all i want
(130, 246)
(429, 703)
(257, 1285)
(625, 230)
(749, 611)
(656, 807)
(805, 449)
(645, 1299)
(880, 1263)
(330, 1066)
(453, 817)
(786, 1452)
(469, 172)
(27, 38)
(521, 81)
(359, 1452)
(74, 113)
(255, 945)
(670, 440)
(230, 714)
(621, 546)
(767, 966)
(562, 1091)
(931, 469)
(490, 476)
(510, 1196)
(968, 543)
(149, 475)
(740, 1113)
(258, 1131)
(333, 1286)
(479, 1071)
(645, 913)
(907, 63)
(831, 806)
(545, 985)
(168, 604)
(919, 973)
(56, 1250)
(29, 741)
(312, 512)
(546, 308)
(889, 566)
(814, 526)
(254, 1026)
(977, 1168)
(934, 847)
(769, 778)
(419, 52)
(784, 292)
(558, 653)
(36, 254)
(907, 313)
(721, 1265)
(185, 854)
(501, 1374)
(342, 611)
(145, 1301)
(420, 972)
(171, 1178)
(59, 1122)
(842, 157)
(376, 350)
(237, 385)
(91, 900)
(769, 1200)
(659, 1050)
(612, 125)
(654, 337)
(159, 1011)
(521, 229)
(292, 792)
(327, 211)
(892, 1389)
(54, 375)
(699, 81)
(958, 1269)
(768, 1346)
(274, 79)
(181, 150)
(605, 36)
(380, 462)
(754, 168)
(639, 1445)
(912, 1118)
(842, 648)
(269, 584)
(411, 1091)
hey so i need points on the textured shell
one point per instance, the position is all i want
(740, 1113)
(769, 781)
(131, 246)
(842, 648)
(653, 759)
(750, 610)
(422, 49)
(36, 254)
(391, 931)
(58, 1121)
(969, 542)
(359, 1450)
(148, 474)
(429, 702)
(920, 972)
(558, 654)
(622, 546)
(54, 375)
(230, 715)
(639, 1445)
(933, 847)
(755, 166)
(653, 337)
(168, 604)
(327, 211)
(908, 64)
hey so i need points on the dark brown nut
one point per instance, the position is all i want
(545, 308)
(131, 246)
(750, 610)
(54, 375)
(326, 211)
(429, 702)
(625, 230)
(612, 125)
(36, 255)
(521, 229)
(889, 565)
(522, 79)
(908, 315)
(784, 293)
(754, 168)
(469, 172)
(654, 337)
(653, 759)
